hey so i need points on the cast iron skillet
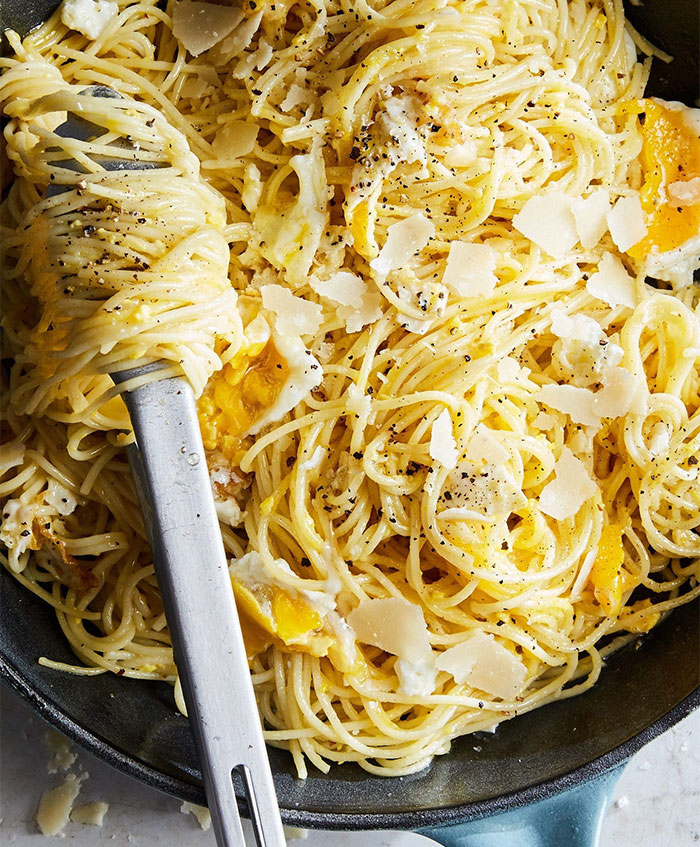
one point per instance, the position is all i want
(643, 690)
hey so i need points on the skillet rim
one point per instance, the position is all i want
(412, 820)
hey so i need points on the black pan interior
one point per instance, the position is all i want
(643, 689)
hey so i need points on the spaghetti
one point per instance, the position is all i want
(455, 447)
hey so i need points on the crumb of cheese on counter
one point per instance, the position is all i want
(63, 757)
(202, 814)
(91, 814)
(56, 804)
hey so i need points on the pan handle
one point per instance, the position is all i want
(573, 818)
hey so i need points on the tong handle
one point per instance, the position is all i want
(171, 473)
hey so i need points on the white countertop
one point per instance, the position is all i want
(656, 803)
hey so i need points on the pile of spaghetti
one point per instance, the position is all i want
(429, 268)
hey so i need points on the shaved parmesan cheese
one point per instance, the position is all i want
(198, 26)
(486, 665)
(544, 422)
(582, 351)
(508, 369)
(91, 814)
(394, 625)
(55, 805)
(590, 216)
(404, 239)
(443, 447)
(235, 43)
(343, 287)
(90, 17)
(470, 269)
(576, 327)
(234, 139)
(570, 488)
(620, 394)
(369, 312)
(626, 222)
(484, 446)
(575, 402)
(685, 193)
(548, 220)
(612, 284)
(292, 314)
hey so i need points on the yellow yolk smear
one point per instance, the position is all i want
(269, 614)
(235, 397)
(608, 578)
(670, 154)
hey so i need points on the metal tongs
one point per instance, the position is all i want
(172, 480)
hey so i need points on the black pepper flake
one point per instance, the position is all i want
(305, 562)
(358, 454)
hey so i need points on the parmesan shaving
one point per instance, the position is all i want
(484, 446)
(548, 220)
(570, 488)
(486, 665)
(612, 284)
(404, 239)
(392, 624)
(370, 311)
(470, 269)
(344, 288)
(198, 26)
(293, 315)
(626, 222)
(575, 402)
(234, 139)
(443, 447)
(201, 813)
(685, 192)
(590, 216)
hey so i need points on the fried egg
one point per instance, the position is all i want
(670, 191)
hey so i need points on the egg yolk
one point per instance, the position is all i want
(269, 614)
(234, 398)
(608, 578)
(670, 153)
